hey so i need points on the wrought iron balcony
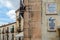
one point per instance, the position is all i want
(21, 14)
(2, 32)
(22, 6)
(19, 30)
(18, 18)
(22, 9)
(7, 31)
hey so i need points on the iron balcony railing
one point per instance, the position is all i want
(7, 31)
(19, 30)
(22, 6)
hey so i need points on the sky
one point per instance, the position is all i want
(7, 11)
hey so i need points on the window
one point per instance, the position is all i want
(0, 31)
(12, 32)
(19, 17)
(3, 31)
(7, 30)
(7, 35)
(3, 36)
(21, 14)
(12, 29)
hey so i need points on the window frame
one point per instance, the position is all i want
(51, 30)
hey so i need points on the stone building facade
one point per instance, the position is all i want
(8, 31)
(37, 19)
(19, 24)
(32, 20)
(50, 20)
(31, 16)
(41, 19)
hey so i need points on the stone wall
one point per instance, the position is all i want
(32, 20)
(46, 33)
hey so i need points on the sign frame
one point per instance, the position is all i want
(51, 8)
(51, 30)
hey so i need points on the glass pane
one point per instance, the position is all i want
(12, 29)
